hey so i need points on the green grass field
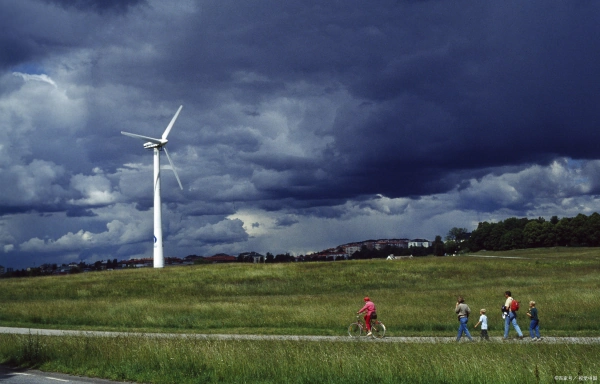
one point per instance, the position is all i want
(413, 297)
(199, 361)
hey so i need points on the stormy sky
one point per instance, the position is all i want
(305, 124)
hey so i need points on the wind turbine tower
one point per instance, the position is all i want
(158, 145)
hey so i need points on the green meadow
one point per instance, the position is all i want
(414, 297)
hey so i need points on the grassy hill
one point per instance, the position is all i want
(414, 298)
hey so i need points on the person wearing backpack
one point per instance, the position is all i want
(511, 306)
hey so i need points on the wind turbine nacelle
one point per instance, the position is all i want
(150, 145)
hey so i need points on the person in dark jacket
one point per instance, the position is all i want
(534, 324)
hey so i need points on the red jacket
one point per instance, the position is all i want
(369, 307)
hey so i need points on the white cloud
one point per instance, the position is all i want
(37, 183)
(95, 190)
(41, 78)
(223, 232)
(124, 224)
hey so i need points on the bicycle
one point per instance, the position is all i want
(377, 328)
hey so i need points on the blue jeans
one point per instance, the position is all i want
(511, 318)
(534, 326)
(463, 328)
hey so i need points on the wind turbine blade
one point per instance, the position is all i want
(164, 136)
(173, 168)
(145, 138)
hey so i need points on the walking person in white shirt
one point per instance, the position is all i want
(484, 326)
(511, 317)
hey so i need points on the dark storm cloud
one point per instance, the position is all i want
(295, 113)
(439, 89)
(514, 89)
(80, 212)
(494, 87)
(118, 6)
(144, 205)
(208, 209)
(28, 35)
(286, 221)
(36, 30)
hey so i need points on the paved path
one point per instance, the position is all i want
(503, 257)
(33, 376)
(391, 339)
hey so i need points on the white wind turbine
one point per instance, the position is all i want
(158, 145)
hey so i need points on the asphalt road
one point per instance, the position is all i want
(32, 376)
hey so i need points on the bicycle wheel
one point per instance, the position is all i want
(354, 330)
(378, 329)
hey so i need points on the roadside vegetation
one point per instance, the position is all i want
(414, 297)
(149, 360)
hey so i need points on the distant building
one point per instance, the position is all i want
(332, 255)
(221, 258)
(398, 243)
(419, 243)
(173, 260)
(350, 249)
(191, 258)
(255, 257)
(136, 263)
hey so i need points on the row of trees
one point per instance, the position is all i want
(248, 257)
(514, 233)
(53, 269)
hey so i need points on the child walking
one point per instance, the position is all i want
(534, 324)
(484, 326)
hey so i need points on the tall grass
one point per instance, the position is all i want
(184, 360)
(413, 297)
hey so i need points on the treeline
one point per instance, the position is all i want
(55, 269)
(514, 233)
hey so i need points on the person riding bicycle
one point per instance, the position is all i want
(369, 308)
